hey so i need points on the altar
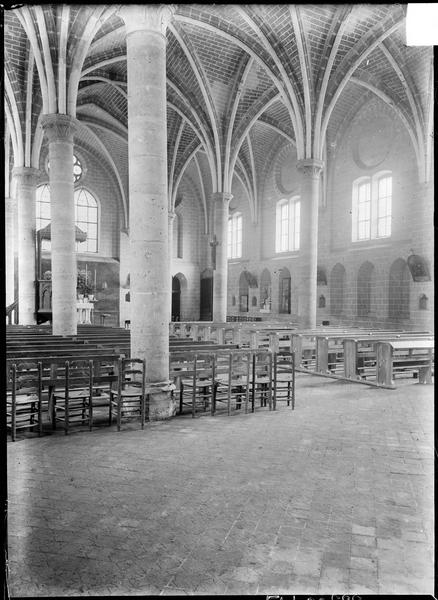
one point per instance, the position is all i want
(84, 312)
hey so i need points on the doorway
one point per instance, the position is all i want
(176, 299)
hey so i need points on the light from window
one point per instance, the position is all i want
(86, 219)
(384, 196)
(287, 236)
(235, 236)
(179, 236)
(43, 211)
(372, 200)
(86, 216)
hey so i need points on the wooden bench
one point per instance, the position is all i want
(401, 356)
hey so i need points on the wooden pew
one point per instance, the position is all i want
(399, 356)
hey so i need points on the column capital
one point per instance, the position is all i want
(27, 175)
(59, 128)
(224, 197)
(147, 17)
(310, 166)
(171, 214)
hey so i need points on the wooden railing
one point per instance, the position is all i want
(11, 311)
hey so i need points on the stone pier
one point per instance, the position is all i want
(59, 129)
(148, 203)
(220, 274)
(310, 190)
(26, 178)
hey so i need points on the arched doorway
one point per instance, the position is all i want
(399, 290)
(364, 289)
(176, 299)
(206, 300)
(265, 290)
(337, 289)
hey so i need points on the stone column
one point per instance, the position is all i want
(148, 200)
(307, 295)
(59, 130)
(220, 274)
(9, 249)
(26, 179)
(171, 216)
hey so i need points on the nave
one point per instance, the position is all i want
(332, 497)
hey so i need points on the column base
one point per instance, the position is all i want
(162, 404)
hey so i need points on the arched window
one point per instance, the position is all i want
(372, 207)
(86, 218)
(43, 211)
(287, 231)
(235, 236)
(284, 291)
(337, 289)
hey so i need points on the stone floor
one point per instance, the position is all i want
(334, 497)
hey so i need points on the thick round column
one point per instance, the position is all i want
(26, 179)
(310, 189)
(59, 130)
(9, 249)
(148, 203)
(220, 274)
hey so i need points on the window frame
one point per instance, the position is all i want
(287, 224)
(370, 207)
(46, 244)
(77, 192)
(235, 236)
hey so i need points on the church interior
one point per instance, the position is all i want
(215, 211)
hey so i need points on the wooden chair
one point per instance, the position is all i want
(232, 380)
(72, 394)
(24, 398)
(104, 380)
(283, 388)
(197, 382)
(261, 379)
(128, 399)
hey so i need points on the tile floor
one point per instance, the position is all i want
(334, 497)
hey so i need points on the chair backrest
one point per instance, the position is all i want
(262, 363)
(284, 361)
(25, 378)
(131, 373)
(78, 375)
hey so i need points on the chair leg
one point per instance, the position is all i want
(13, 421)
(142, 409)
(90, 413)
(40, 419)
(66, 417)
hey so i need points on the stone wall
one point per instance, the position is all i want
(376, 140)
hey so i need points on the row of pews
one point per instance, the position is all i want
(372, 357)
(44, 372)
(230, 349)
